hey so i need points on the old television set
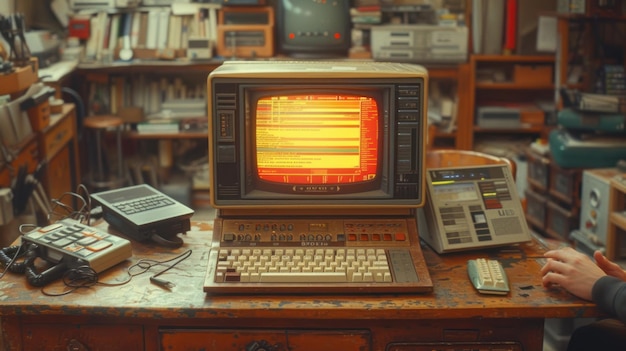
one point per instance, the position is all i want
(314, 136)
(306, 28)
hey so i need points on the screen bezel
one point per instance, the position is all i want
(256, 188)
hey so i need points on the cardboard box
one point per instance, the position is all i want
(533, 74)
(20, 79)
(533, 116)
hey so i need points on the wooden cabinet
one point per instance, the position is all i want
(616, 233)
(54, 147)
(454, 80)
(58, 147)
(502, 83)
(24, 154)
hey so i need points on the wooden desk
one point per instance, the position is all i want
(142, 316)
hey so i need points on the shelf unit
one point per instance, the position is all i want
(616, 233)
(457, 77)
(579, 48)
(496, 80)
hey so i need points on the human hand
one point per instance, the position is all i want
(610, 268)
(572, 270)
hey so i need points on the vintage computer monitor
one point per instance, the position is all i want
(317, 154)
(317, 136)
(313, 28)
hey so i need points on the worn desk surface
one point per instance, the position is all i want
(453, 295)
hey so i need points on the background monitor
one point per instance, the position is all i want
(313, 28)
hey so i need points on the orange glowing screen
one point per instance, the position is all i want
(317, 139)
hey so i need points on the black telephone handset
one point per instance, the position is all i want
(51, 274)
(27, 255)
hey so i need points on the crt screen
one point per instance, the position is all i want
(317, 139)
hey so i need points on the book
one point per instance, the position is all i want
(163, 28)
(153, 29)
(175, 32)
(212, 29)
(477, 26)
(158, 126)
(143, 31)
(493, 30)
(186, 31)
(91, 48)
(510, 34)
(135, 27)
(114, 33)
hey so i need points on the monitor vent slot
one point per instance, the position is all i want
(228, 190)
(225, 100)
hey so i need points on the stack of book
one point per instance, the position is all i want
(158, 126)
(151, 32)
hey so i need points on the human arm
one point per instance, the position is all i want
(609, 293)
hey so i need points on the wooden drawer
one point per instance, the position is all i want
(256, 339)
(561, 221)
(58, 179)
(29, 156)
(56, 137)
(459, 346)
(536, 209)
(93, 337)
(538, 174)
(565, 184)
(5, 177)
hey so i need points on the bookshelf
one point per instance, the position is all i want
(587, 43)
(519, 81)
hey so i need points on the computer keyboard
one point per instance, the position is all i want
(311, 265)
(488, 276)
(143, 204)
(311, 256)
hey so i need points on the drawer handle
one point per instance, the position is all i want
(261, 346)
(75, 345)
(61, 135)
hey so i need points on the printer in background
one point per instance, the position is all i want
(420, 43)
(45, 46)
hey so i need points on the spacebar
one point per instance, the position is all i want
(303, 277)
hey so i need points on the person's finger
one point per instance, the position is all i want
(552, 278)
(546, 267)
(560, 254)
(554, 266)
(609, 267)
